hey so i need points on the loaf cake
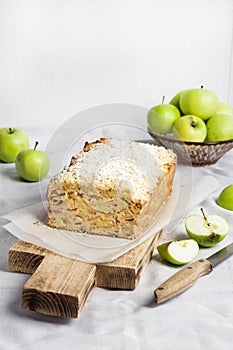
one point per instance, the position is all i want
(112, 188)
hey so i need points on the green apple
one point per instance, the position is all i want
(219, 128)
(190, 128)
(175, 101)
(12, 141)
(225, 199)
(224, 108)
(206, 230)
(162, 117)
(200, 102)
(32, 165)
(179, 252)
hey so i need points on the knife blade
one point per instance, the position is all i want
(188, 275)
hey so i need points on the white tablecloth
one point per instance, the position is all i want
(200, 318)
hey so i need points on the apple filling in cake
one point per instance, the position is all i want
(112, 187)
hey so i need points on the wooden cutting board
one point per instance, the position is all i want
(59, 286)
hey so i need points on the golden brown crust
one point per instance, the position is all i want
(68, 210)
(88, 146)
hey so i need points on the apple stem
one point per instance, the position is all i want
(192, 122)
(36, 144)
(202, 86)
(11, 131)
(205, 217)
(163, 100)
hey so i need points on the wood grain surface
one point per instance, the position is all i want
(60, 286)
(182, 280)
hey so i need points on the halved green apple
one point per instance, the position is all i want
(206, 230)
(179, 252)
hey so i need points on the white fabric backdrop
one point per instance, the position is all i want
(61, 57)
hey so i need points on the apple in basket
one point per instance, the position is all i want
(162, 117)
(190, 128)
(200, 102)
(224, 108)
(202, 117)
(219, 128)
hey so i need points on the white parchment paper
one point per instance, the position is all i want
(29, 224)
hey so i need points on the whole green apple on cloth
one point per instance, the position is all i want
(12, 141)
(225, 198)
(32, 165)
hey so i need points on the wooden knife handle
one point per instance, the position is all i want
(182, 280)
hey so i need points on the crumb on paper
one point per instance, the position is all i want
(38, 223)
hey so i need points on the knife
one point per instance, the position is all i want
(187, 276)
